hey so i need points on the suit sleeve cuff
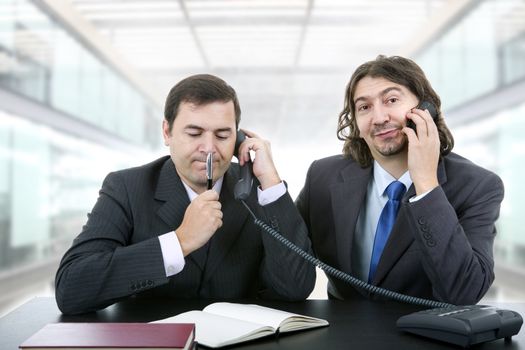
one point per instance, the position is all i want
(171, 253)
(416, 198)
(271, 194)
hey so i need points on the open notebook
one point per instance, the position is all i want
(221, 324)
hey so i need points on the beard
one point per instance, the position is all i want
(392, 146)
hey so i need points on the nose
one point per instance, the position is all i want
(207, 143)
(380, 114)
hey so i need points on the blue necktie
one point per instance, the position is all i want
(395, 192)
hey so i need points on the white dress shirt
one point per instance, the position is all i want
(365, 231)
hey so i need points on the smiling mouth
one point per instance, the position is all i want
(386, 133)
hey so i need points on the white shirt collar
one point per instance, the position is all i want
(382, 179)
(192, 194)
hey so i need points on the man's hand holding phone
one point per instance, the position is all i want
(263, 167)
(423, 150)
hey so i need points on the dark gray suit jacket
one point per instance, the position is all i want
(118, 254)
(440, 246)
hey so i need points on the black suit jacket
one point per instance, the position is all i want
(440, 246)
(118, 253)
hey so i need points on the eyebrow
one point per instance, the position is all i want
(200, 128)
(382, 93)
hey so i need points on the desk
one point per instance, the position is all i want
(359, 324)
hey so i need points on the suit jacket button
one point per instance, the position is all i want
(431, 243)
(422, 221)
(150, 282)
(427, 235)
(143, 284)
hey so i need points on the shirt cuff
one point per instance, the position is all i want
(171, 253)
(271, 194)
(416, 198)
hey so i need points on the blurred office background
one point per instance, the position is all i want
(82, 84)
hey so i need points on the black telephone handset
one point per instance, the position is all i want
(424, 105)
(243, 187)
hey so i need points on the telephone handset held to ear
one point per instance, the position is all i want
(243, 187)
(424, 105)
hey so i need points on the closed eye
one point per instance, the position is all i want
(223, 134)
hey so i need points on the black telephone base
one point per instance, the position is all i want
(463, 325)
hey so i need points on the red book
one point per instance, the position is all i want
(122, 336)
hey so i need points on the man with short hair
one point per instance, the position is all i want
(157, 230)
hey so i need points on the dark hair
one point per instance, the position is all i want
(399, 70)
(200, 89)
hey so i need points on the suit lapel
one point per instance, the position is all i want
(347, 198)
(401, 237)
(171, 190)
(234, 217)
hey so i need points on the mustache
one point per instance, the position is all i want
(202, 159)
(380, 128)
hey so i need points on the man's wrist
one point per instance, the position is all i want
(182, 243)
(271, 194)
(425, 186)
(269, 181)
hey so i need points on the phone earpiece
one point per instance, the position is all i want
(241, 136)
(243, 187)
(429, 106)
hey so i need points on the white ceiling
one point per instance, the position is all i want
(166, 35)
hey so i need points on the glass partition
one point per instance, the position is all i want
(42, 60)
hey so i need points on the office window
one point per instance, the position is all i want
(5, 189)
(453, 66)
(511, 156)
(513, 54)
(65, 81)
(25, 171)
(7, 23)
(49, 181)
(40, 59)
(480, 54)
(89, 89)
(7, 58)
(111, 87)
(32, 36)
